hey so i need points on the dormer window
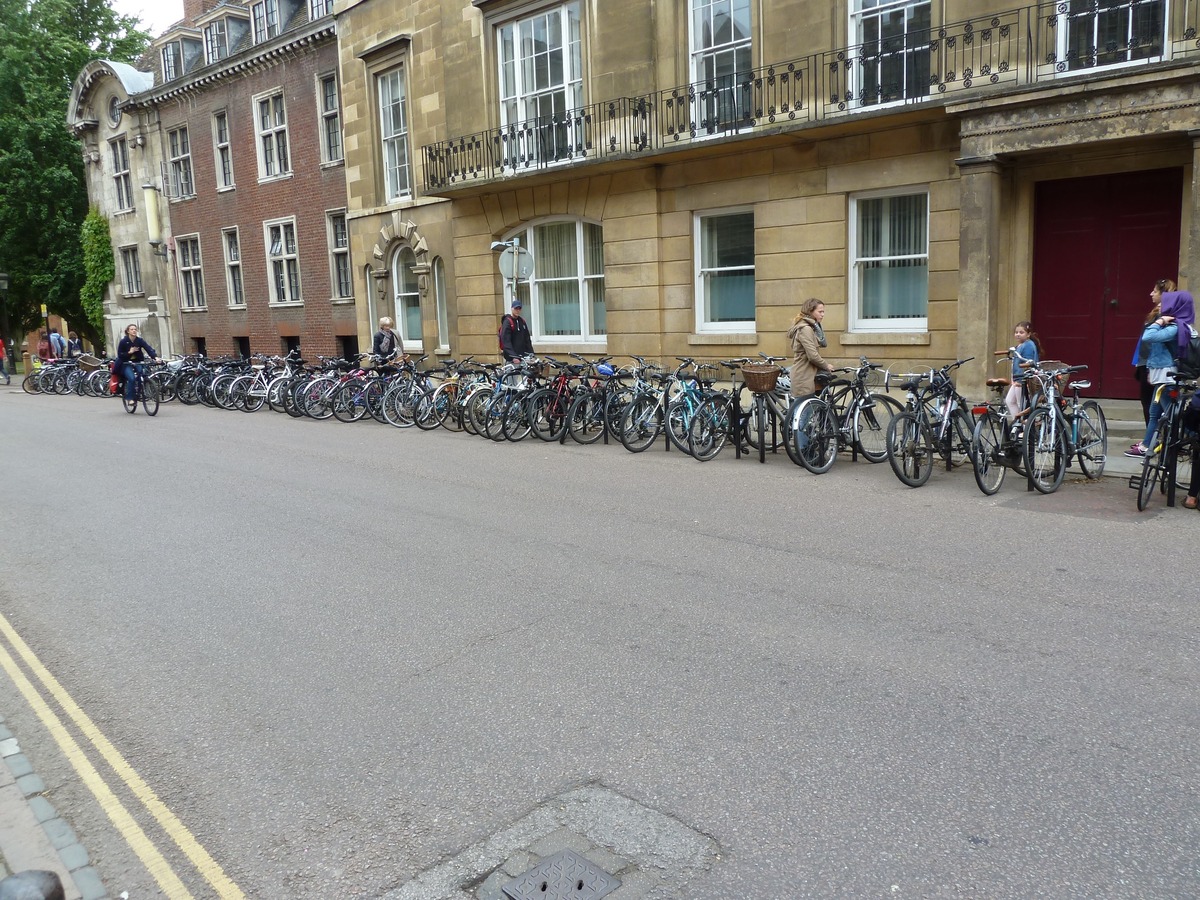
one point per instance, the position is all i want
(319, 8)
(266, 20)
(216, 41)
(172, 61)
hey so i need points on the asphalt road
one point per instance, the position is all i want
(341, 654)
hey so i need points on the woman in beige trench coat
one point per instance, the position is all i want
(807, 339)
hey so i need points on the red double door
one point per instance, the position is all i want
(1100, 243)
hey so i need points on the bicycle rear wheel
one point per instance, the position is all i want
(871, 418)
(585, 418)
(987, 452)
(1091, 438)
(910, 449)
(516, 421)
(1046, 449)
(959, 437)
(130, 403)
(640, 424)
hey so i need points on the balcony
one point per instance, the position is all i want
(1019, 47)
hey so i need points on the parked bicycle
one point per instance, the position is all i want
(936, 424)
(1168, 463)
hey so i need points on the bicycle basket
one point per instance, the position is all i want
(760, 377)
(89, 363)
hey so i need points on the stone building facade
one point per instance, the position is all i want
(686, 174)
(245, 103)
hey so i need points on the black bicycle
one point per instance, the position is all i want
(146, 391)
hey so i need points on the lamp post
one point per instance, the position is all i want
(4, 321)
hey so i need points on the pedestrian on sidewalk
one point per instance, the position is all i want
(808, 339)
(4, 362)
(1141, 353)
(1168, 335)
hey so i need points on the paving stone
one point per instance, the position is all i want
(492, 887)
(634, 886)
(5, 734)
(19, 764)
(31, 784)
(9, 746)
(558, 840)
(60, 833)
(609, 862)
(519, 863)
(43, 810)
(74, 857)
(90, 886)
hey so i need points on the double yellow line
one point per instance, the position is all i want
(141, 845)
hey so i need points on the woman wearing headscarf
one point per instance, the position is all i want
(1167, 336)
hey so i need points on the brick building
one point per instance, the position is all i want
(934, 171)
(246, 110)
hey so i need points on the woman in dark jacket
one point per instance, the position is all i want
(131, 353)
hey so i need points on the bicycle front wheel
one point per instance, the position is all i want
(1091, 438)
(640, 424)
(130, 403)
(815, 435)
(960, 432)
(151, 395)
(709, 429)
(987, 452)
(910, 449)
(1046, 449)
(871, 419)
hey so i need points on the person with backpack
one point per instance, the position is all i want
(1141, 353)
(515, 340)
(1168, 336)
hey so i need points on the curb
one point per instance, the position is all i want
(32, 834)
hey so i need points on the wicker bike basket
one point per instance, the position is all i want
(90, 363)
(760, 377)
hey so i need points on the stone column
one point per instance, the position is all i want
(979, 268)
(1191, 253)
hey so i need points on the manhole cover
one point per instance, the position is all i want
(563, 876)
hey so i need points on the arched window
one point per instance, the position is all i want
(407, 296)
(565, 297)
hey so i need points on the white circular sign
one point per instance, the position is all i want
(516, 262)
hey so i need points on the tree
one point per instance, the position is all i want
(43, 195)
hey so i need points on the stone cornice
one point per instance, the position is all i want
(261, 57)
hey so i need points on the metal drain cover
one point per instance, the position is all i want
(564, 876)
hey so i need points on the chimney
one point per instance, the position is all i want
(195, 8)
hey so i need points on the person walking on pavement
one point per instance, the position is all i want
(74, 346)
(515, 340)
(386, 341)
(59, 342)
(45, 349)
(4, 362)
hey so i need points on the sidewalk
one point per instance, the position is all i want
(32, 835)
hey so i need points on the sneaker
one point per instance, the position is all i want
(1137, 451)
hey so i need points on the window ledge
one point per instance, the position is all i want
(226, 188)
(133, 294)
(285, 304)
(570, 347)
(333, 163)
(885, 338)
(182, 199)
(237, 306)
(194, 309)
(121, 213)
(269, 179)
(342, 301)
(727, 340)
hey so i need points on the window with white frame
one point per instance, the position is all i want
(224, 154)
(892, 62)
(1110, 33)
(271, 122)
(339, 256)
(266, 20)
(283, 261)
(725, 271)
(443, 313)
(393, 128)
(541, 81)
(331, 119)
(889, 261)
(407, 298)
(565, 297)
(318, 8)
(172, 60)
(131, 271)
(180, 150)
(191, 276)
(216, 41)
(721, 62)
(121, 177)
(233, 267)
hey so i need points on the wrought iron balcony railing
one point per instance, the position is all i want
(1021, 46)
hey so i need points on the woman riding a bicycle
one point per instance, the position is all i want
(131, 354)
(808, 337)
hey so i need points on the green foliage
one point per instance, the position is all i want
(43, 196)
(98, 266)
